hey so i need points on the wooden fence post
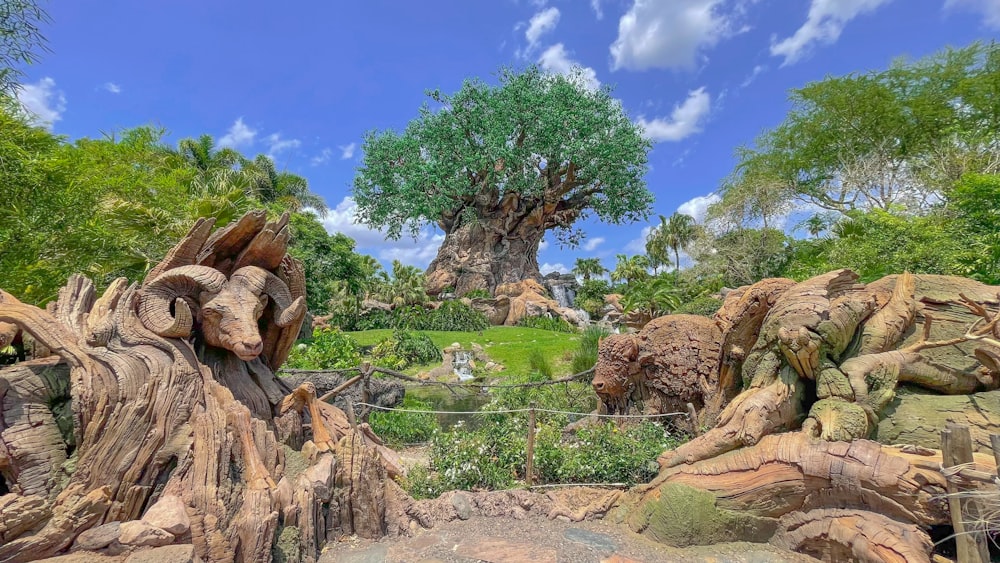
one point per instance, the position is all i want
(366, 389)
(529, 470)
(956, 449)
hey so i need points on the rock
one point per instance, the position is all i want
(496, 550)
(384, 392)
(463, 508)
(600, 542)
(496, 309)
(81, 557)
(371, 304)
(139, 533)
(170, 514)
(98, 537)
(183, 553)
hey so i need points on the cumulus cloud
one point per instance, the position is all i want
(990, 9)
(43, 102)
(276, 145)
(825, 22)
(557, 60)
(547, 268)
(347, 151)
(414, 252)
(685, 120)
(596, 6)
(638, 245)
(543, 244)
(239, 135)
(670, 34)
(697, 207)
(541, 23)
(112, 87)
(591, 244)
(322, 158)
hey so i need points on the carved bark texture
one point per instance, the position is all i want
(173, 395)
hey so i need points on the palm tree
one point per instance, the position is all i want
(630, 268)
(678, 232)
(656, 245)
(586, 267)
(284, 188)
(814, 225)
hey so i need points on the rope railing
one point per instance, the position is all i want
(523, 410)
(411, 379)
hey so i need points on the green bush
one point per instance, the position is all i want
(602, 453)
(704, 306)
(400, 428)
(590, 297)
(539, 363)
(329, 349)
(585, 356)
(404, 349)
(450, 316)
(489, 457)
(478, 294)
(555, 324)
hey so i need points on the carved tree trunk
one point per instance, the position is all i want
(478, 257)
(176, 410)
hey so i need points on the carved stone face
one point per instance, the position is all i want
(616, 366)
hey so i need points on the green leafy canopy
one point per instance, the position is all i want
(546, 138)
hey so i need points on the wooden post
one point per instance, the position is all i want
(693, 415)
(529, 470)
(366, 390)
(956, 449)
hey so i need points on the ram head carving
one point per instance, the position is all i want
(226, 310)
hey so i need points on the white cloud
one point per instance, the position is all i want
(757, 70)
(112, 87)
(239, 135)
(543, 244)
(556, 60)
(638, 245)
(277, 145)
(44, 104)
(591, 244)
(596, 6)
(685, 120)
(990, 9)
(419, 252)
(698, 206)
(541, 23)
(547, 268)
(826, 20)
(347, 151)
(322, 158)
(670, 33)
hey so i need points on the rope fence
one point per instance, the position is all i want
(523, 410)
(402, 376)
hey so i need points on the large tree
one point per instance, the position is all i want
(495, 167)
(20, 39)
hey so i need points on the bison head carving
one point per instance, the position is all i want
(617, 364)
(226, 309)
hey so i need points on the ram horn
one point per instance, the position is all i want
(171, 287)
(260, 281)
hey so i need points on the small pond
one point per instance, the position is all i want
(441, 399)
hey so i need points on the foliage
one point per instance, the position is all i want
(590, 296)
(585, 356)
(539, 363)
(20, 40)
(329, 349)
(405, 287)
(704, 306)
(630, 269)
(587, 267)
(404, 349)
(400, 428)
(328, 259)
(601, 453)
(656, 296)
(557, 324)
(742, 255)
(486, 142)
(451, 315)
(478, 293)
(675, 234)
(976, 222)
(489, 457)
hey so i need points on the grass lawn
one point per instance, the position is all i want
(507, 345)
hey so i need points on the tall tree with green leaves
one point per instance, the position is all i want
(674, 234)
(21, 40)
(495, 167)
(630, 269)
(587, 267)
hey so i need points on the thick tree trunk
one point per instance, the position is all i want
(484, 256)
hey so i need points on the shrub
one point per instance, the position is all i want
(585, 356)
(704, 306)
(329, 349)
(539, 363)
(555, 324)
(590, 297)
(399, 428)
(450, 316)
(478, 294)
(456, 316)
(490, 457)
(416, 347)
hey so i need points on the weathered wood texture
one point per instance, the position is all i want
(174, 396)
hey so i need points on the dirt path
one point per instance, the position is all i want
(536, 539)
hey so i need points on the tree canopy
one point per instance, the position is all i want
(20, 39)
(543, 137)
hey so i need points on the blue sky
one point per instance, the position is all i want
(303, 81)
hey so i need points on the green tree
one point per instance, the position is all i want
(333, 269)
(630, 269)
(675, 234)
(495, 167)
(587, 267)
(20, 40)
(973, 205)
(282, 189)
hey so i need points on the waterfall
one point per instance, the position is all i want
(460, 364)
